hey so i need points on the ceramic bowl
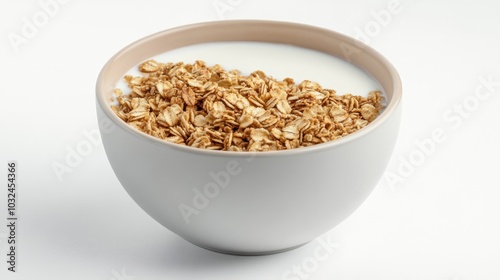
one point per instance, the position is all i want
(241, 202)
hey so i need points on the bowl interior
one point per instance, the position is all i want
(299, 35)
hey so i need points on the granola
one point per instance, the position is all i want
(211, 108)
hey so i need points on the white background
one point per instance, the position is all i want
(440, 221)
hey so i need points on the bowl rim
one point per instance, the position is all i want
(389, 110)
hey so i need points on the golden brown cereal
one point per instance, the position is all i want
(211, 108)
(149, 66)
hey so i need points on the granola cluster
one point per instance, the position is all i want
(211, 108)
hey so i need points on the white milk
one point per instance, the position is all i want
(277, 60)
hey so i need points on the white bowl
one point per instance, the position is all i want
(241, 202)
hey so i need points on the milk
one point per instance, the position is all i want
(277, 60)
